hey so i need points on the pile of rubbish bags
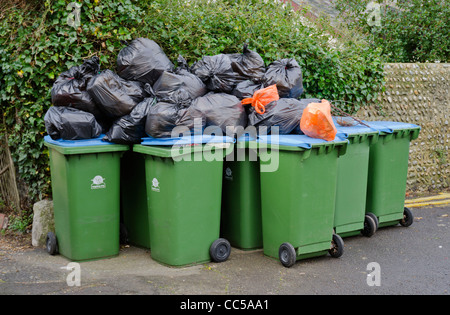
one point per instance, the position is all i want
(149, 96)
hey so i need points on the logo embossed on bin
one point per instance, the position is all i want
(155, 185)
(98, 182)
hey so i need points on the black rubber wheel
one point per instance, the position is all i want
(51, 244)
(408, 218)
(370, 226)
(374, 217)
(287, 255)
(220, 250)
(337, 246)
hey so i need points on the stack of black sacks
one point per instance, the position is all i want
(149, 96)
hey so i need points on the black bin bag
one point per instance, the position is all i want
(287, 75)
(115, 96)
(284, 113)
(246, 89)
(191, 120)
(249, 64)
(163, 117)
(180, 87)
(217, 73)
(69, 123)
(69, 88)
(130, 129)
(220, 110)
(142, 60)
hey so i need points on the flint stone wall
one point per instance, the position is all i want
(418, 93)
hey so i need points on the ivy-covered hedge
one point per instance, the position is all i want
(39, 40)
(36, 45)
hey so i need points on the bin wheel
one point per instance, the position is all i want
(220, 250)
(374, 217)
(287, 255)
(51, 244)
(370, 226)
(337, 246)
(408, 218)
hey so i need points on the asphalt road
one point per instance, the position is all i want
(408, 261)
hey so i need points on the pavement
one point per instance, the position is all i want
(395, 261)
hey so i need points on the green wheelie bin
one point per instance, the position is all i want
(298, 193)
(388, 170)
(350, 217)
(86, 198)
(184, 189)
(241, 222)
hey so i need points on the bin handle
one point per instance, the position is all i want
(388, 137)
(402, 134)
(305, 154)
(373, 138)
(363, 138)
(415, 134)
(342, 149)
(329, 148)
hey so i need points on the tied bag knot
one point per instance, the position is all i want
(261, 98)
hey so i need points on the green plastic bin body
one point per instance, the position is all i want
(241, 222)
(388, 170)
(134, 213)
(298, 199)
(86, 198)
(184, 203)
(352, 176)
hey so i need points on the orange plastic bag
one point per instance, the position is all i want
(262, 97)
(316, 121)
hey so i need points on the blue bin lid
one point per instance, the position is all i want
(295, 140)
(358, 129)
(390, 126)
(246, 137)
(194, 139)
(84, 146)
(78, 143)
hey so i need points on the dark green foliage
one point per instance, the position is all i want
(410, 30)
(36, 45)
